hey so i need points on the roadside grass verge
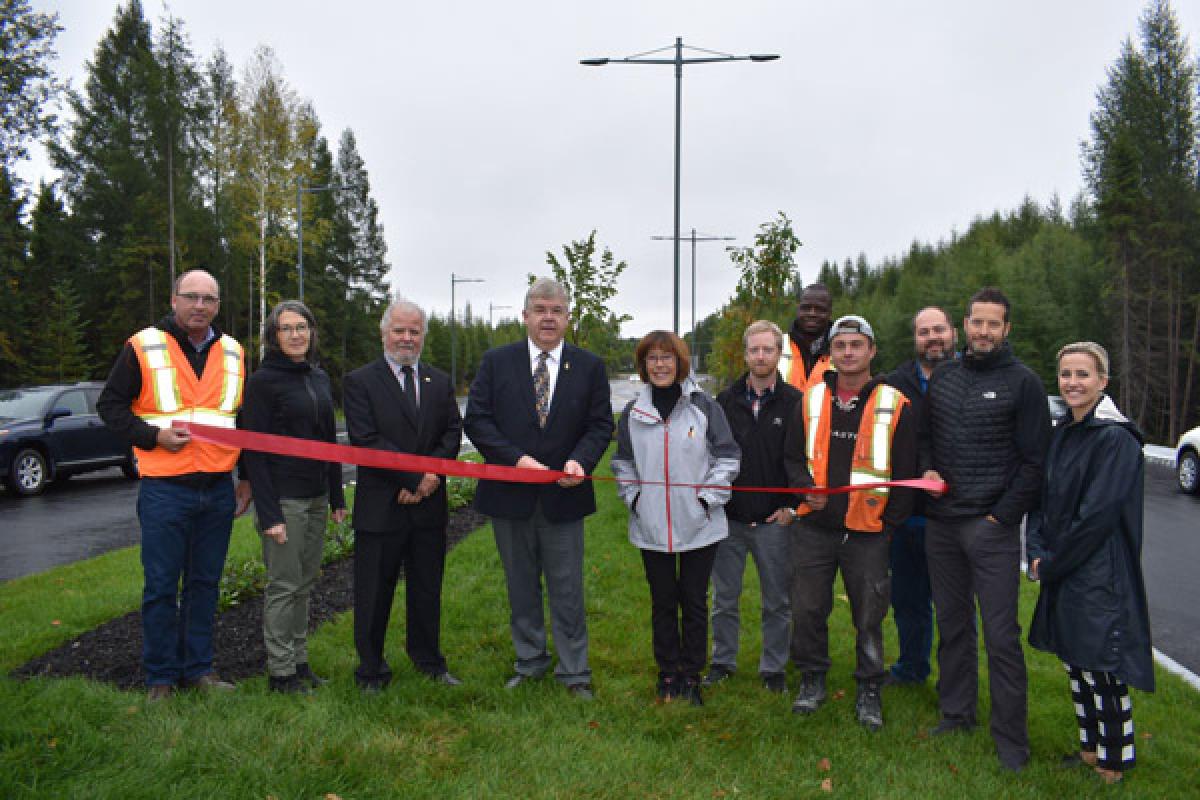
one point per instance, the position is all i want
(76, 738)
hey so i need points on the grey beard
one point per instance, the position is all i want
(404, 360)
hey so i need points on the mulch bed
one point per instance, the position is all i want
(113, 652)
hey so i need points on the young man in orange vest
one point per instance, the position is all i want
(806, 356)
(181, 369)
(848, 429)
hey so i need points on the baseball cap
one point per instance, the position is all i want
(852, 323)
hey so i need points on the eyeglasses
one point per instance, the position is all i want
(199, 299)
(288, 330)
(660, 358)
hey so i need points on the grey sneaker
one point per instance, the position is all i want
(716, 674)
(811, 694)
(868, 706)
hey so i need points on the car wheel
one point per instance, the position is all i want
(1188, 472)
(29, 472)
(130, 467)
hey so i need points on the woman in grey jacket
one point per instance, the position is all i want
(676, 458)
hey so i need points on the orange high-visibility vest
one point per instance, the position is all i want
(791, 366)
(872, 459)
(171, 391)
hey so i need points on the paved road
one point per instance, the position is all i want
(92, 514)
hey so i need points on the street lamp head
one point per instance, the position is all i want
(593, 62)
(764, 57)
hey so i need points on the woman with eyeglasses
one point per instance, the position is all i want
(1085, 546)
(289, 395)
(672, 432)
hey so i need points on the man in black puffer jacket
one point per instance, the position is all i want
(985, 428)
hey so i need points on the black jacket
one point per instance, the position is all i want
(1092, 610)
(379, 417)
(502, 423)
(904, 378)
(761, 441)
(841, 452)
(985, 426)
(288, 398)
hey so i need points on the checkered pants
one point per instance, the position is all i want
(1105, 717)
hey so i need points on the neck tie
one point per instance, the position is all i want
(410, 387)
(541, 389)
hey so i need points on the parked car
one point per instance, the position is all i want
(52, 432)
(1187, 461)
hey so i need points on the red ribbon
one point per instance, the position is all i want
(407, 462)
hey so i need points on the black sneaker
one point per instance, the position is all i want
(304, 672)
(868, 706)
(775, 682)
(716, 674)
(668, 686)
(811, 694)
(691, 691)
(288, 684)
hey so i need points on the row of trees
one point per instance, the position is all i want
(169, 163)
(1122, 267)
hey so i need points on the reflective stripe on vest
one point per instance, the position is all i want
(791, 367)
(172, 391)
(871, 461)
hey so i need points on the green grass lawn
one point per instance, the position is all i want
(75, 738)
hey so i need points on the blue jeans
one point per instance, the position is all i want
(185, 535)
(912, 606)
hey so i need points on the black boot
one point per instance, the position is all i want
(288, 684)
(691, 690)
(868, 706)
(811, 694)
(304, 672)
(668, 686)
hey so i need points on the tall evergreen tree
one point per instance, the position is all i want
(58, 353)
(14, 321)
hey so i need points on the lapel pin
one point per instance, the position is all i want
(427, 379)
(566, 365)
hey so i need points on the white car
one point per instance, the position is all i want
(1187, 461)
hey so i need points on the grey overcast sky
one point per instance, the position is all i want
(487, 143)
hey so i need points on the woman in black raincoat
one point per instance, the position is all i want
(1084, 544)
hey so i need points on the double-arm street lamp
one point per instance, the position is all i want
(454, 282)
(678, 61)
(301, 190)
(695, 237)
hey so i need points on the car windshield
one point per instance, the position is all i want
(18, 403)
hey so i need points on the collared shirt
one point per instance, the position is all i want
(757, 400)
(209, 335)
(398, 370)
(552, 363)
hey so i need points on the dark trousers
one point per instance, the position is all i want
(817, 555)
(378, 560)
(912, 601)
(679, 608)
(975, 560)
(185, 534)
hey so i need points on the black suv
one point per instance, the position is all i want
(52, 432)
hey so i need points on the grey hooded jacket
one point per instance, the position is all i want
(694, 445)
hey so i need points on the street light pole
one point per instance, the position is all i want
(703, 237)
(454, 281)
(712, 57)
(301, 190)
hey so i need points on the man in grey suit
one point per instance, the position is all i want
(542, 404)
(398, 403)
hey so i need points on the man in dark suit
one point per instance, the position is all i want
(396, 403)
(542, 404)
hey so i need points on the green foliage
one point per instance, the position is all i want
(593, 325)
(27, 87)
(765, 290)
(58, 354)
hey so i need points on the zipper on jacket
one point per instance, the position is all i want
(667, 482)
(312, 395)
